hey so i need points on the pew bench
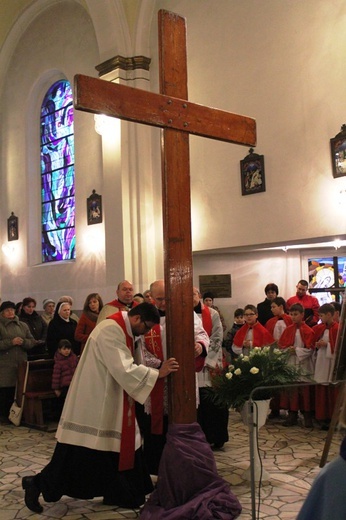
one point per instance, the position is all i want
(38, 390)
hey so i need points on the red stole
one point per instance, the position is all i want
(270, 325)
(121, 306)
(153, 343)
(260, 335)
(128, 430)
(288, 336)
(206, 320)
(319, 329)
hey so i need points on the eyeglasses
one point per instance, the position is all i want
(249, 314)
(159, 299)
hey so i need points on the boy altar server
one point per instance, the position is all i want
(251, 334)
(325, 335)
(298, 338)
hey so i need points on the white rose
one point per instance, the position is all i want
(230, 368)
(254, 370)
(229, 375)
(246, 358)
(237, 372)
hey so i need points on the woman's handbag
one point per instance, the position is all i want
(16, 412)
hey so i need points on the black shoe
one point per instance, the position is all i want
(308, 420)
(31, 495)
(218, 445)
(291, 420)
(274, 415)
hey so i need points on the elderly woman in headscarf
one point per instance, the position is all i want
(15, 341)
(62, 326)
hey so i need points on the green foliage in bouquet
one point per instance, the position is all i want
(265, 366)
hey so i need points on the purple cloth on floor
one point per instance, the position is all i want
(188, 486)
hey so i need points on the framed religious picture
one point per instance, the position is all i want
(252, 173)
(338, 149)
(94, 208)
(12, 227)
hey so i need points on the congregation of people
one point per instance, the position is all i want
(82, 349)
(311, 347)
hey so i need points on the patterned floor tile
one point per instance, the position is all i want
(290, 455)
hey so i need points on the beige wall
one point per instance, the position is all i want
(281, 62)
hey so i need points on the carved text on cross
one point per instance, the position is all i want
(171, 111)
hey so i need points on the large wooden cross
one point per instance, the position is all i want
(178, 118)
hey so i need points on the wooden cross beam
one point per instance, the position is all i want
(178, 118)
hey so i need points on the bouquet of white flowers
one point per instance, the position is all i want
(266, 366)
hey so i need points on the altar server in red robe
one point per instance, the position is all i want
(276, 326)
(325, 335)
(251, 334)
(280, 321)
(298, 338)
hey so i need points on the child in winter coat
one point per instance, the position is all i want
(65, 363)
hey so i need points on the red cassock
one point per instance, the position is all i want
(325, 395)
(302, 399)
(260, 335)
(270, 325)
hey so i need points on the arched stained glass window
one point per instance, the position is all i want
(57, 174)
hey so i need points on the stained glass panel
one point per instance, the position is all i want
(57, 174)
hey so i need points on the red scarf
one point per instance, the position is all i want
(260, 335)
(122, 306)
(288, 336)
(206, 320)
(128, 430)
(153, 343)
(333, 332)
(270, 325)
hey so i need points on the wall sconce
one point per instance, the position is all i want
(12, 227)
(94, 208)
(285, 249)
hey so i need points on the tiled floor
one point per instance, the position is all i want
(290, 455)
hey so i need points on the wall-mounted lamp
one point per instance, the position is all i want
(285, 249)
(94, 208)
(12, 227)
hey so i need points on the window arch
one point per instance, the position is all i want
(57, 174)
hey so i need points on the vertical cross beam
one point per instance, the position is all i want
(177, 223)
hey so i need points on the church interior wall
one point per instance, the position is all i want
(46, 52)
(281, 63)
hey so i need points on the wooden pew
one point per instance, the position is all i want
(38, 389)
